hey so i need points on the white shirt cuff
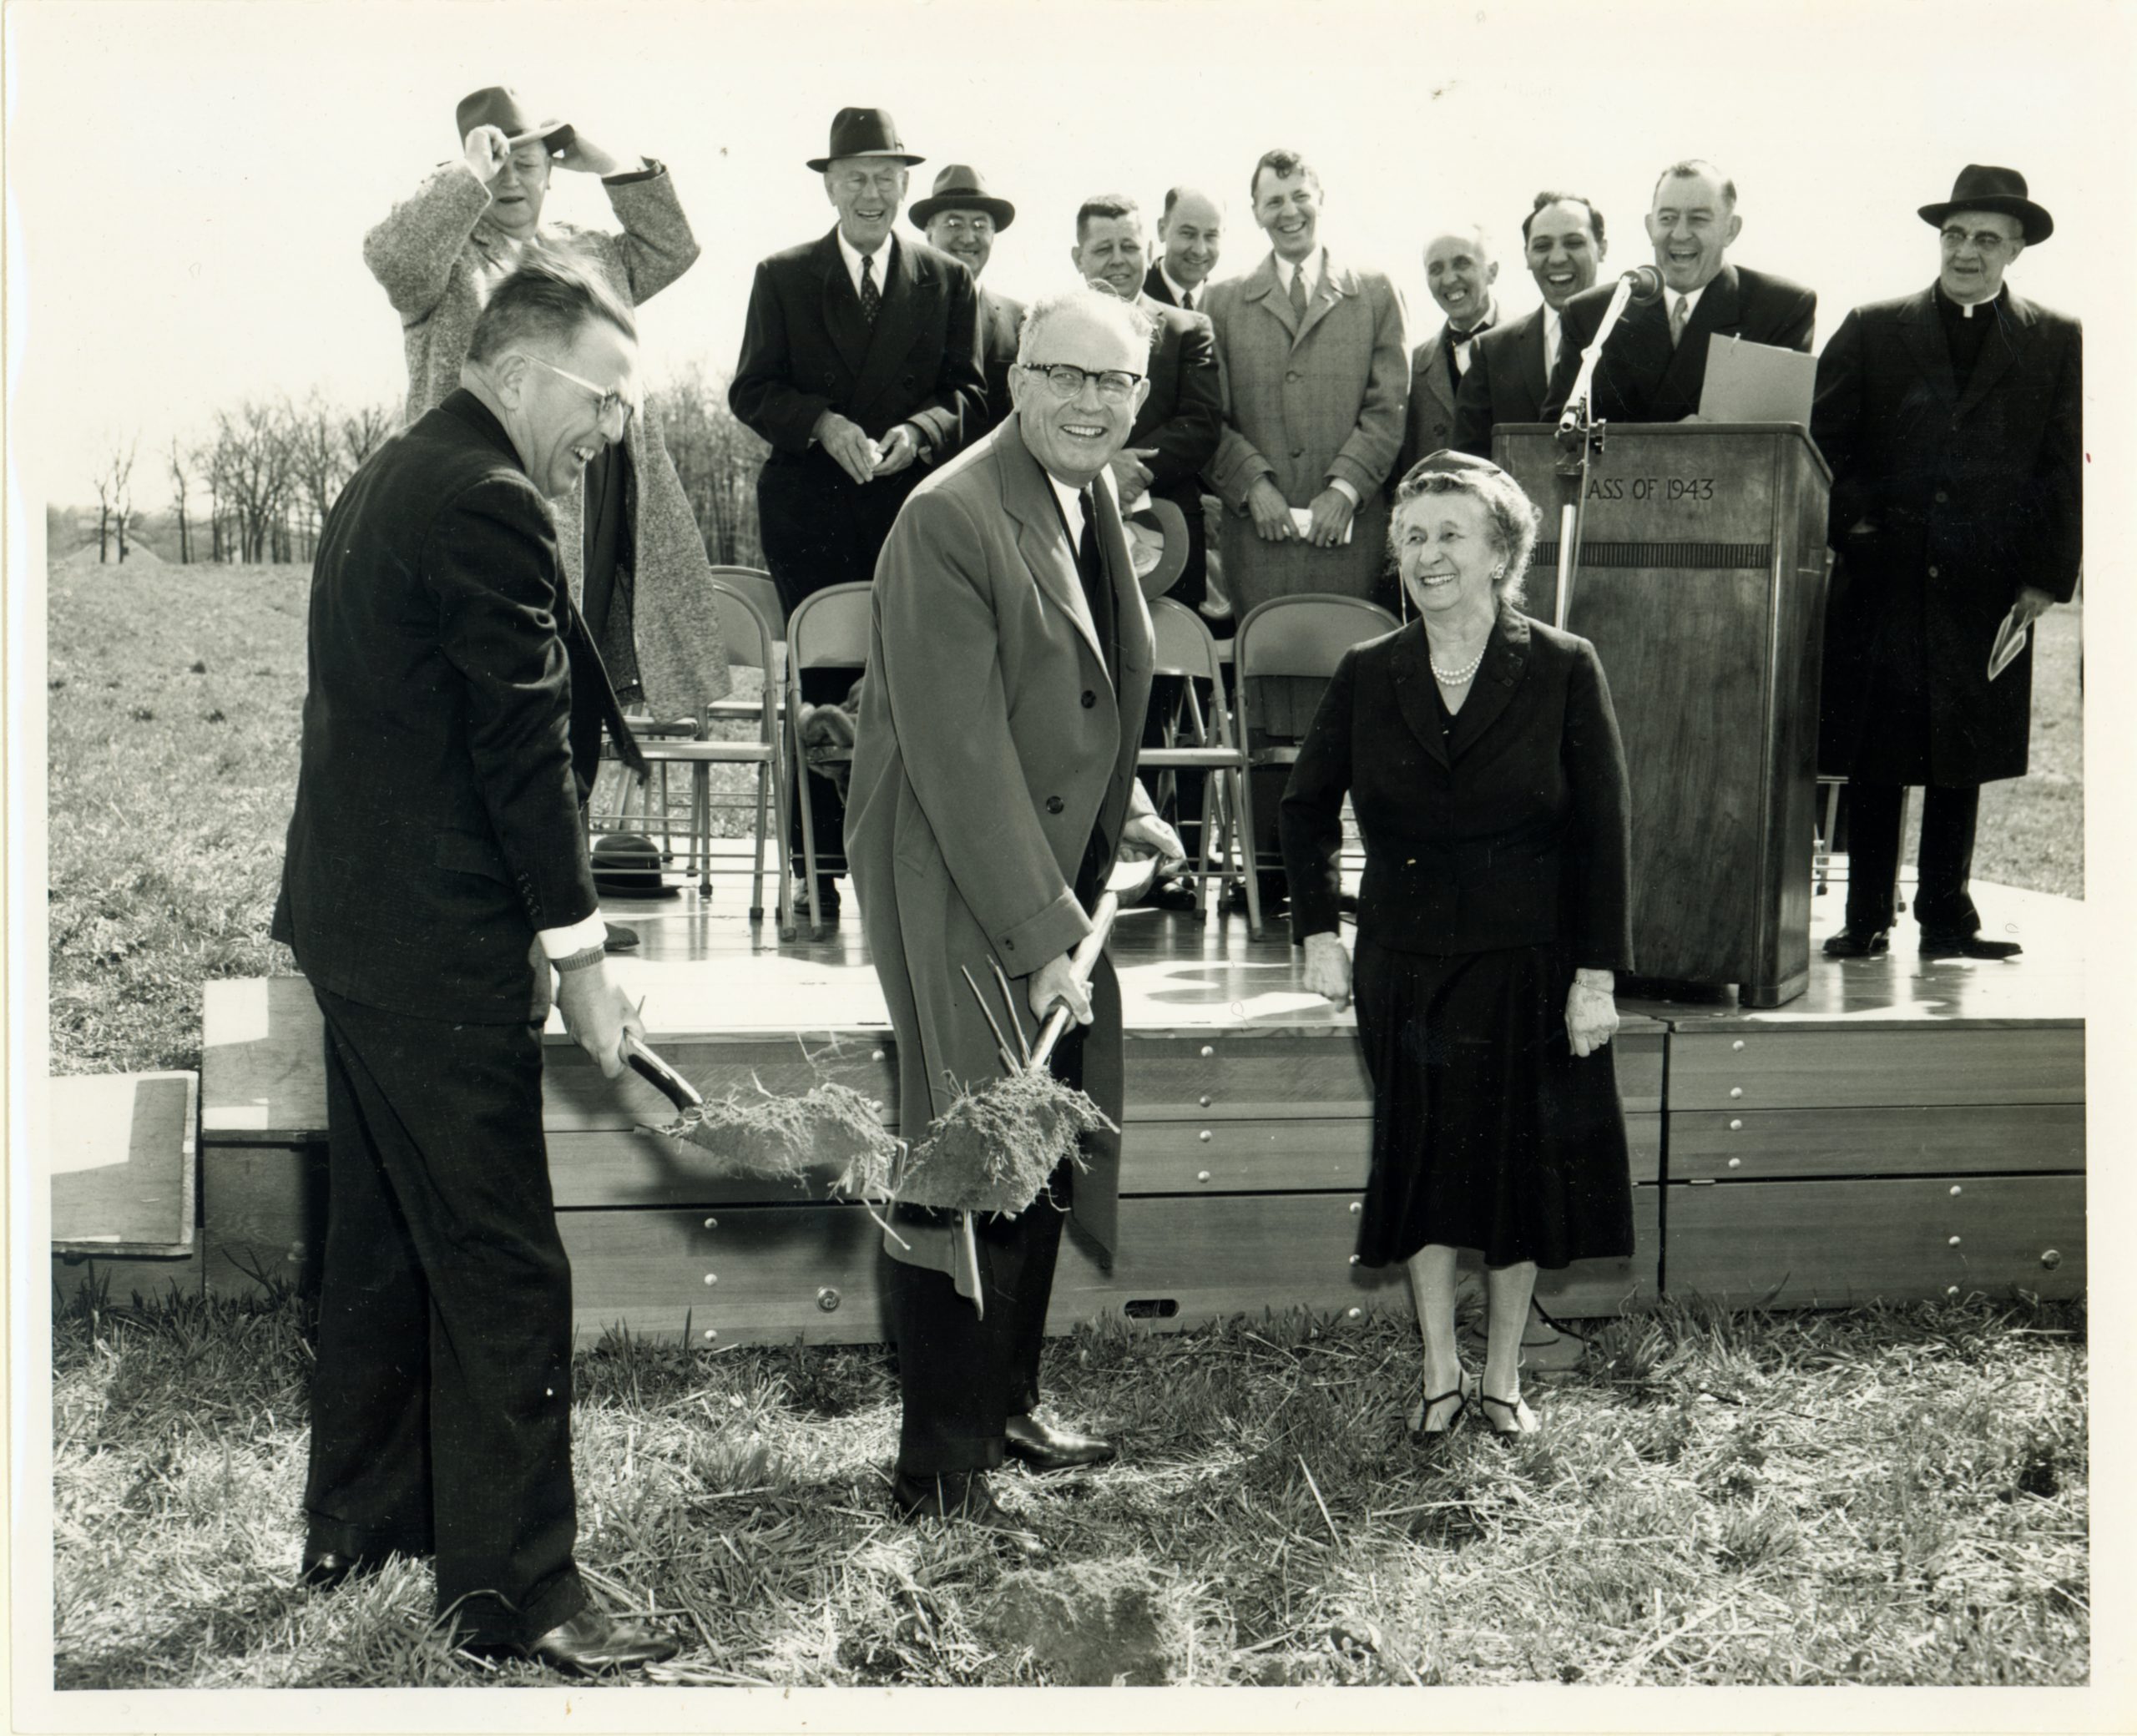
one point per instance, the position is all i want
(563, 942)
(1344, 483)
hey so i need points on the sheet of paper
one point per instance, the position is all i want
(1750, 382)
(1302, 522)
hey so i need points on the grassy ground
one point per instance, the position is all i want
(1886, 1496)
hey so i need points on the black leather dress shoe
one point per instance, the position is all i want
(1174, 895)
(1044, 1447)
(618, 938)
(1848, 943)
(963, 1495)
(324, 1569)
(1967, 945)
(593, 1641)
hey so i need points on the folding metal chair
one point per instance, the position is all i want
(1304, 637)
(828, 629)
(1185, 649)
(749, 645)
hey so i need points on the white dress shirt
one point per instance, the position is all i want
(852, 255)
(1551, 339)
(1180, 292)
(1071, 515)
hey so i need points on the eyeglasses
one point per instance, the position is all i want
(1065, 380)
(608, 403)
(1985, 240)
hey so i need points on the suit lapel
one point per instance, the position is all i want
(1506, 659)
(1923, 333)
(1528, 349)
(1410, 663)
(1435, 375)
(1156, 288)
(1263, 287)
(842, 316)
(896, 322)
(2007, 338)
(1042, 539)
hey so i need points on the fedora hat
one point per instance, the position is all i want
(962, 188)
(498, 105)
(1157, 545)
(1982, 187)
(627, 865)
(864, 133)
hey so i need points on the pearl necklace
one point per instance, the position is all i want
(1456, 678)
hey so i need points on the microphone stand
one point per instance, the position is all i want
(1581, 441)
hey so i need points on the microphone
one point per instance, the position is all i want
(1646, 284)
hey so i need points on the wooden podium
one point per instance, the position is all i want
(1702, 585)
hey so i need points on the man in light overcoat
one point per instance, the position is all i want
(993, 779)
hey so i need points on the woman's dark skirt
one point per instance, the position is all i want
(1487, 1132)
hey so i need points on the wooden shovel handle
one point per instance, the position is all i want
(1082, 962)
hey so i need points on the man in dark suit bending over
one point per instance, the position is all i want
(1510, 365)
(436, 876)
(1653, 364)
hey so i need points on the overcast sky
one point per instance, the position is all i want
(189, 184)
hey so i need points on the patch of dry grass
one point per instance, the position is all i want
(1888, 1495)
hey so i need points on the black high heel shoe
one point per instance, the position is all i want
(1520, 1418)
(1464, 1386)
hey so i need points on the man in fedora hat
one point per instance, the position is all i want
(629, 540)
(1951, 421)
(860, 365)
(961, 218)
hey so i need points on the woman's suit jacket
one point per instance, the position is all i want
(434, 258)
(1513, 829)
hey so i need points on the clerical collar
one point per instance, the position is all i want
(1966, 309)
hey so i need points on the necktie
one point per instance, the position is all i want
(871, 298)
(1090, 567)
(1187, 300)
(1678, 316)
(1298, 294)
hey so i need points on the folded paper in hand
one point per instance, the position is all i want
(2010, 641)
(1756, 383)
(1302, 523)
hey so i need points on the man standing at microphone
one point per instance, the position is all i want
(1654, 362)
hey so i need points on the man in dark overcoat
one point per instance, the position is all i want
(860, 365)
(436, 875)
(1951, 420)
(993, 779)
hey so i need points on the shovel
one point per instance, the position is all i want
(1129, 880)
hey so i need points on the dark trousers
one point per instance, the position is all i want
(961, 1376)
(826, 806)
(1184, 812)
(1943, 905)
(441, 1404)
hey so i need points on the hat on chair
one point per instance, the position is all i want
(962, 188)
(1157, 545)
(498, 105)
(1982, 187)
(864, 133)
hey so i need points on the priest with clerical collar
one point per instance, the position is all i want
(1952, 419)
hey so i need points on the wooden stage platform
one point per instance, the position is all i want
(1902, 1130)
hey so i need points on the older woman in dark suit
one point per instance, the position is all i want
(1482, 761)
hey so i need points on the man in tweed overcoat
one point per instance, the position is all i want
(437, 255)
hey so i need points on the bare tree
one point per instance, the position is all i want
(254, 473)
(364, 430)
(180, 462)
(717, 460)
(115, 487)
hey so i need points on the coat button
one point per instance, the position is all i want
(1932, 573)
(1053, 805)
(1090, 698)
(1292, 374)
(1942, 498)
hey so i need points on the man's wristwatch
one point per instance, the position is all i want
(584, 956)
